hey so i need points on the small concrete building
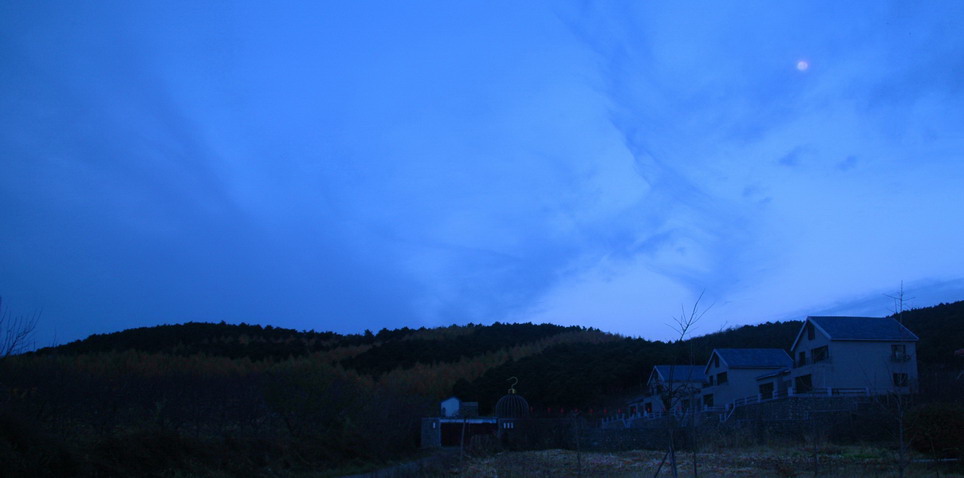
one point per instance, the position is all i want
(446, 432)
(459, 423)
(452, 407)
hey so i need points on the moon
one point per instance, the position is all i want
(803, 65)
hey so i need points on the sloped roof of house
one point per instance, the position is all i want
(774, 373)
(863, 328)
(680, 373)
(884, 329)
(754, 358)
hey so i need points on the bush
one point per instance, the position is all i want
(28, 452)
(936, 428)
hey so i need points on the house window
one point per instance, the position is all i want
(508, 425)
(708, 400)
(710, 379)
(721, 378)
(820, 354)
(898, 353)
(901, 380)
(802, 359)
(766, 391)
(716, 360)
(803, 384)
(810, 330)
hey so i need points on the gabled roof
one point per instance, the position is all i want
(679, 373)
(752, 358)
(881, 329)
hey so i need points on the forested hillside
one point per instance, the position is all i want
(941, 332)
(246, 398)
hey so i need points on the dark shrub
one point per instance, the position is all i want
(936, 428)
(26, 451)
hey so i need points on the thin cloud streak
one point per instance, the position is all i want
(352, 167)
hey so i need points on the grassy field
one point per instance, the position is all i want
(850, 462)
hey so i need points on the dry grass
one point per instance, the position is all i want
(850, 462)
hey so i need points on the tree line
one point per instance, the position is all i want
(252, 400)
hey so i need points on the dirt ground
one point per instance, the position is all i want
(850, 462)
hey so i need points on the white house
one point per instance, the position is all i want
(837, 355)
(831, 356)
(680, 383)
(732, 374)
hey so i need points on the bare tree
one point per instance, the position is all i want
(687, 320)
(673, 395)
(16, 332)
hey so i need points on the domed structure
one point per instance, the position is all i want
(512, 405)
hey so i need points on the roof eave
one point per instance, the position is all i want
(766, 367)
(915, 339)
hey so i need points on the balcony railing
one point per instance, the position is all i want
(900, 357)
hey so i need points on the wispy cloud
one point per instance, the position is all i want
(347, 167)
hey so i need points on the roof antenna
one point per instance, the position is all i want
(515, 381)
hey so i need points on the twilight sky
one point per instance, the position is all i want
(357, 165)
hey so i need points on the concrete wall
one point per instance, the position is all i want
(431, 433)
(795, 408)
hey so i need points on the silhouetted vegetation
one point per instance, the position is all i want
(253, 342)
(407, 353)
(600, 375)
(941, 332)
(247, 400)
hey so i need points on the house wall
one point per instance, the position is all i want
(863, 364)
(711, 371)
(646, 404)
(740, 383)
(779, 385)
(853, 364)
(688, 391)
(653, 403)
(821, 372)
(805, 344)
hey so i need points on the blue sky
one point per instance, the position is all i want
(360, 165)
